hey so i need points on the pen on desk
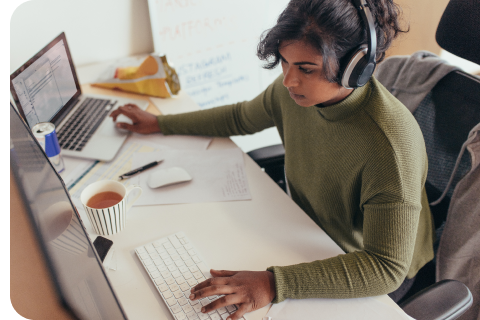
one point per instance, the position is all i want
(135, 171)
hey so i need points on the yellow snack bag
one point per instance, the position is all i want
(153, 77)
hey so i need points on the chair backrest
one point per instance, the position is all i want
(446, 116)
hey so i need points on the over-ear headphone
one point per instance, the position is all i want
(362, 63)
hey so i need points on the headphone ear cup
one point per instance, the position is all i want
(358, 70)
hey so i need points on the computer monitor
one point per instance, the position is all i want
(77, 272)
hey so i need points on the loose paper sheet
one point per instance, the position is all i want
(217, 175)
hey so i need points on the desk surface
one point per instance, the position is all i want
(268, 230)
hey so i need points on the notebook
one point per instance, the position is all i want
(46, 89)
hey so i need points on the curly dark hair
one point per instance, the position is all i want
(334, 28)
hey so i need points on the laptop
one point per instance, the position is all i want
(46, 89)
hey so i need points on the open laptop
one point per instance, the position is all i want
(46, 89)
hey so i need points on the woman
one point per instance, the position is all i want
(354, 158)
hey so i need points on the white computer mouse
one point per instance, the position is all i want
(166, 177)
(123, 118)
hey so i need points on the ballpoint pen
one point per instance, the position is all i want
(135, 171)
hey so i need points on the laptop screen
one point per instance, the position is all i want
(44, 85)
(75, 268)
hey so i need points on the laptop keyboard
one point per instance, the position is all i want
(80, 127)
(174, 266)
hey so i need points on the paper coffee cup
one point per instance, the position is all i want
(110, 220)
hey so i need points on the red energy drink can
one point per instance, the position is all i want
(47, 138)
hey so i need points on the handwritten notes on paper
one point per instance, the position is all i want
(212, 45)
(217, 175)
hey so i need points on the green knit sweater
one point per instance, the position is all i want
(357, 168)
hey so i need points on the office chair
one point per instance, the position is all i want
(455, 103)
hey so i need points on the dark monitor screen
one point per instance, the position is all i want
(77, 272)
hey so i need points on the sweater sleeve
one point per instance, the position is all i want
(237, 119)
(390, 200)
(378, 269)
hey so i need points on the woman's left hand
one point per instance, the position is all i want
(249, 290)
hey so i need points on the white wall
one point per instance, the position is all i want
(96, 30)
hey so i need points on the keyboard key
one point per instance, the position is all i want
(222, 310)
(169, 261)
(176, 308)
(192, 315)
(179, 263)
(180, 280)
(194, 302)
(192, 252)
(167, 245)
(193, 268)
(197, 307)
(231, 308)
(163, 287)
(144, 256)
(172, 268)
(154, 256)
(215, 316)
(164, 255)
(155, 274)
(188, 246)
(174, 287)
(203, 316)
(189, 263)
(187, 275)
(167, 294)
(171, 301)
(161, 250)
(158, 262)
(204, 301)
(185, 256)
(159, 281)
(150, 248)
(178, 294)
(152, 268)
(181, 251)
(166, 274)
(197, 275)
(175, 257)
(187, 308)
(169, 280)
(224, 316)
(147, 262)
(183, 269)
(162, 268)
(171, 251)
(192, 282)
(196, 259)
(176, 274)
(182, 241)
(185, 287)
(181, 316)
(182, 301)
(141, 250)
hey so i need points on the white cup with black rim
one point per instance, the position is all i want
(106, 204)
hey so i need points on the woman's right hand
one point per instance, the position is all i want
(143, 122)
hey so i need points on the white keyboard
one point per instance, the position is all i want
(175, 266)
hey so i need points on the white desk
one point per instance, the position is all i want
(242, 235)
